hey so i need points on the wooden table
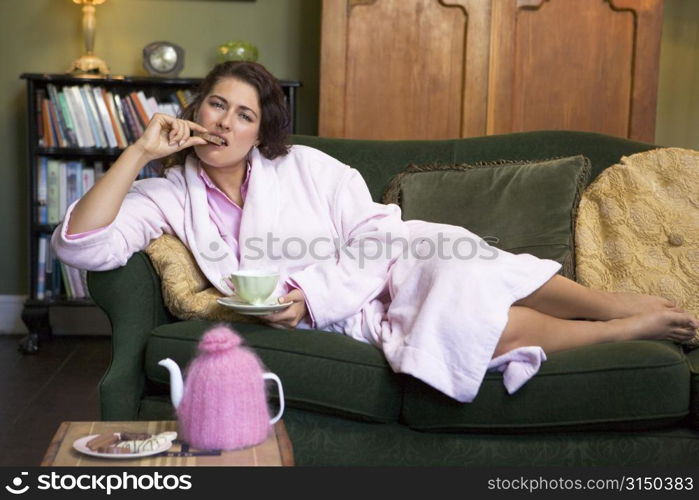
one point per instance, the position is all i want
(276, 451)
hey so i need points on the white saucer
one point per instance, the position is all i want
(81, 446)
(242, 307)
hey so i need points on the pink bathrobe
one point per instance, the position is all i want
(433, 297)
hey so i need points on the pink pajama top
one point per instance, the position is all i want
(224, 212)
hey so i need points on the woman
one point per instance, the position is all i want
(255, 202)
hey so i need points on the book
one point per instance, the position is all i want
(42, 214)
(41, 268)
(137, 118)
(104, 116)
(52, 191)
(70, 293)
(49, 277)
(73, 113)
(40, 96)
(92, 117)
(69, 121)
(49, 137)
(56, 278)
(59, 137)
(92, 102)
(57, 116)
(121, 139)
(139, 101)
(62, 190)
(83, 125)
(74, 178)
(132, 118)
(151, 104)
(119, 106)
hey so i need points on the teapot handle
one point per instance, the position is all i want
(272, 376)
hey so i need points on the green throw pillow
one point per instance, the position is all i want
(520, 207)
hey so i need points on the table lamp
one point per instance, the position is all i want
(89, 65)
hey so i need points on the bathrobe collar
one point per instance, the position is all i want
(260, 212)
(259, 218)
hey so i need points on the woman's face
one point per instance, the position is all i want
(231, 111)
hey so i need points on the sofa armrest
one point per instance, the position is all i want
(132, 299)
(693, 359)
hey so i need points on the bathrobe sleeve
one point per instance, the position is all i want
(373, 236)
(140, 220)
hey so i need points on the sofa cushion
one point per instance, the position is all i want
(638, 228)
(320, 371)
(693, 359)
(624, 385)
(187, 293)
(520, 207)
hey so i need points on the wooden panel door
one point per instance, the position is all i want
(587, 65)
(404, 69)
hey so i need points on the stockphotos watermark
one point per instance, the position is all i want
(106, 483)
(17, 486)
(444, 247)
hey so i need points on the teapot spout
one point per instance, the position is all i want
(176, 384)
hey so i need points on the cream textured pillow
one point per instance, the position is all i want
(186, 292)
(638, 228)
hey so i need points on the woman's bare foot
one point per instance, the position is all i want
(624, 305)
(660, 324)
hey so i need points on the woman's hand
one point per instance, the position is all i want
(166, 134)
(292, 315)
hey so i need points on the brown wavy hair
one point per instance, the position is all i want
(275, 120)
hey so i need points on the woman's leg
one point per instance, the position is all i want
(564, 298)
(527, 327)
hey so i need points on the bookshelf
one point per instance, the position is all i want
(76, 127)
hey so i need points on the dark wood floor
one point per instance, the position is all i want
(39, 391)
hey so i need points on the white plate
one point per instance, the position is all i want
(81, 446)
(242, 307)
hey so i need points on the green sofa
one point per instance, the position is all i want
(627, 403)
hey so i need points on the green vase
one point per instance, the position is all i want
(237, 50)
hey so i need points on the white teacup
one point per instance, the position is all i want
(254, 285)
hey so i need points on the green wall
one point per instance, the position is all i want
(44, 36)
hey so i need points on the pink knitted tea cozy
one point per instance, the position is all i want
(224, 405)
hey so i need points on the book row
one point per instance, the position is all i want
(55, 279)
(61, 182)
(89, 116)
